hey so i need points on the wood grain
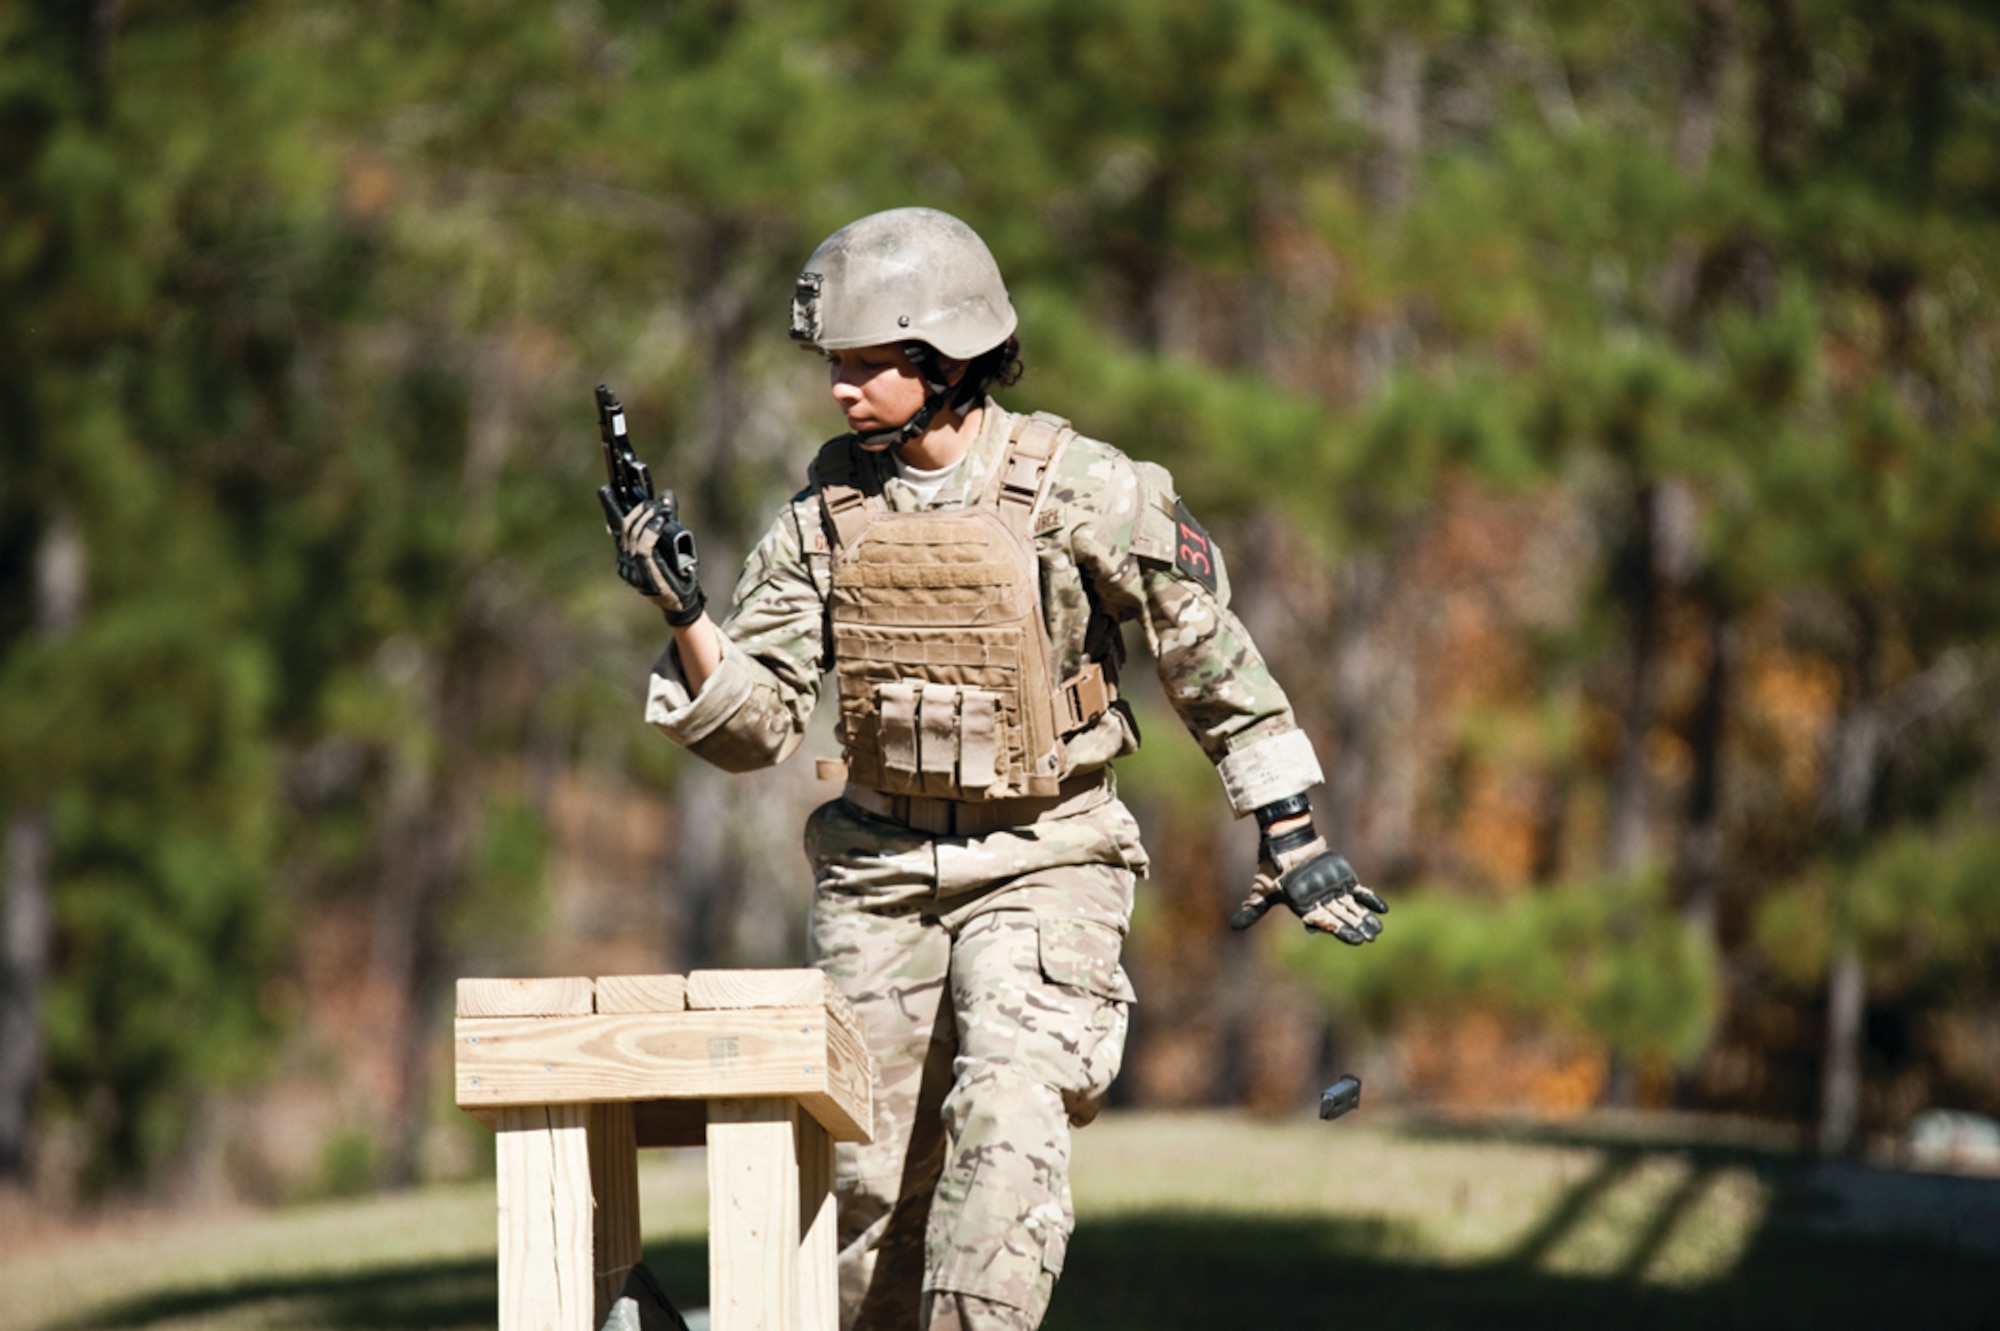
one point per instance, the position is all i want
(641, 993)
(797, 1052)
(805, 987)
(819, 1279)
(542, 1165)
(717, 990)
(753, 1207)
(562, 996)
(614, 1191)
(574, 1075)
(850, 1076)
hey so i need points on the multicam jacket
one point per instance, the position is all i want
(1114, 545)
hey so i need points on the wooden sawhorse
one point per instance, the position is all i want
(574, 1075)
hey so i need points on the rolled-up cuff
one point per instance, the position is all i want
(1269, 769)
(687, 718)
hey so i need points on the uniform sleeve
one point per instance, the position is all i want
(752, 712)
(1148, 561)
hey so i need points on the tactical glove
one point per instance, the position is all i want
(656, 555)
(1297, 868)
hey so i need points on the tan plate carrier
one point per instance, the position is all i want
(941, 652)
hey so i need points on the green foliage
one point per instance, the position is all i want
(349, 1165)
(1922, 906)
(300, 303)
(1602, 959)
(510, 865)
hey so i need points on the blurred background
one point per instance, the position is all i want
(1596, 404)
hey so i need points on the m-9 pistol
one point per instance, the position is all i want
(628, 483)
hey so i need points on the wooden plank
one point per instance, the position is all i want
(614, 1188)
(804, 987)
(753, 1215)
(542, 1159)
(641, 993)
(819, 1278)
(723, 990)
(850, 1076)
(841, 1010)
(666, 1123)
(563, 996)
(798, 1052)
(655, 1123)
(670, 1122)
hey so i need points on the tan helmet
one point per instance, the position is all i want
(905, 275)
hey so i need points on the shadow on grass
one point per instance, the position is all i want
(435, 1296)
(1208, 1273)
(1167, 1270)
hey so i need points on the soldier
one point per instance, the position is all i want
(962, 571)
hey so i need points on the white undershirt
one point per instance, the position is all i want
(926, 483)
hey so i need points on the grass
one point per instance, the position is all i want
(1196, 1221)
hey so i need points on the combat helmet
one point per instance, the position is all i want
(916, 278)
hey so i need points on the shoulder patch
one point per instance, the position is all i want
(1194, 554)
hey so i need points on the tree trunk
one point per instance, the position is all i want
(1701, 841)
(1710, 57)
(27, 924)
(1388, 182)
(1846, 800)
(1783, 118)
(24, 965)
(1840, 1077)
(1358, 660)
(1700, 868)
(1399, 126)
(401, 946)
(703, 877)
(1631, 788)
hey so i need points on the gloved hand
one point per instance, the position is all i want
(657, 555)
(1321, 888)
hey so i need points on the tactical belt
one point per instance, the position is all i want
(971, 818)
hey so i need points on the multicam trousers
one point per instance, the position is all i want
(996, 1013)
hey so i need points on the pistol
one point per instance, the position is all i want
(628, 483)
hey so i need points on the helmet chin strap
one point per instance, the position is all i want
(938, 390)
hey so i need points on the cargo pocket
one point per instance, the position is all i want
(1055, 1247)
(1082, 956)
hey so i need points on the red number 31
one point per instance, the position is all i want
(1194, 551)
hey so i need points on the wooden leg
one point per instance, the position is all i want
(753, 1215)
(819, 1284)
(614, 1186)
(543, 1159)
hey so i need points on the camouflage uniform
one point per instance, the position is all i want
(985, 969)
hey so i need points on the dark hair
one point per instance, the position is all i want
(1001, 366)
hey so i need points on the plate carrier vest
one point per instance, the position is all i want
(940, 649)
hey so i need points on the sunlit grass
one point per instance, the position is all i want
(1438, 1199)
(1185, 1220)
(451, 1227)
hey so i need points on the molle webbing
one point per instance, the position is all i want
(1017, 483)
(941, 652)
(845, 505)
